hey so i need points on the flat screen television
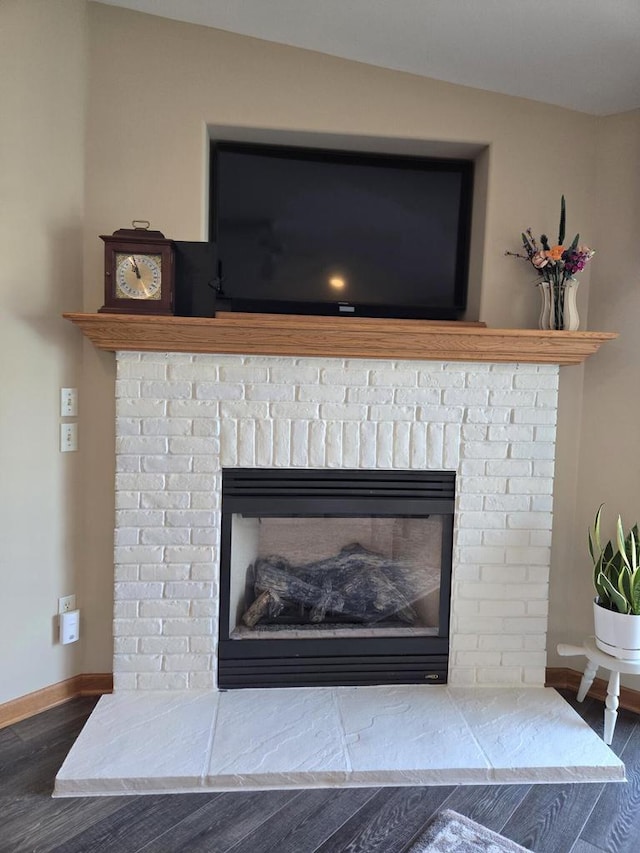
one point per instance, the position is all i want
(311, 231)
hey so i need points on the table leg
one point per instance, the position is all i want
(587, 679)
(611, 709)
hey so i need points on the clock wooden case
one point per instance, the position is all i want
(139, 271)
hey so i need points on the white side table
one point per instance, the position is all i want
(596, 658)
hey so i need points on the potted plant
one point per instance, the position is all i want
(616, 578)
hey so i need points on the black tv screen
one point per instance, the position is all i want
(325, 232)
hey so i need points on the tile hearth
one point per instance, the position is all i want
(145, 742)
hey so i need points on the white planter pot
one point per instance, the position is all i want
(617, 634)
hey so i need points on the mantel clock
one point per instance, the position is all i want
(138, 271)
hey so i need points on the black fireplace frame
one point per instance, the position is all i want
(335, 661)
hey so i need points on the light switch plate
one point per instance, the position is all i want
(68, 437)
(68, 402)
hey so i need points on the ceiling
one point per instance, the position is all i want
(580, 54)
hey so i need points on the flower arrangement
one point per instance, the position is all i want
(556, 265)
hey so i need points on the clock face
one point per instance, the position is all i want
(138, 276)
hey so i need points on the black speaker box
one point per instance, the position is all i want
(195, 282)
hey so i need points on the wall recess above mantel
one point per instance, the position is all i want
(340, 337)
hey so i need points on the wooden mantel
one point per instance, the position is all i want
(341, 337)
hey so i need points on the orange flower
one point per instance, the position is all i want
(556, 253)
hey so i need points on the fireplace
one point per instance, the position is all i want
(184, 420)
(334, 577)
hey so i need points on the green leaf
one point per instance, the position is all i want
(594, 543)
(635, 594)
(597, 571)
(592, 550)
(621, 543)
(563, 221)
(624, 584)
(608, 552)
(574, 244)
(601, 590)
(618, 601)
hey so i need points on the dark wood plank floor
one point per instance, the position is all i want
(588, 818)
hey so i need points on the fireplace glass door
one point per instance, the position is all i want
(334, 577)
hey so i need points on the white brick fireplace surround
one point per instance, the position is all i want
(182, 418)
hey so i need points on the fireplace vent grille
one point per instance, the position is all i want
(240, 482)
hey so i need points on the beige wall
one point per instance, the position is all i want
(608, 433)
(42, 83)
(154, 87)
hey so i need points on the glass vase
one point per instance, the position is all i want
(559, 308)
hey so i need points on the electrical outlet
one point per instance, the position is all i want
(66, 604)
(68, 402)
(68, 437)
